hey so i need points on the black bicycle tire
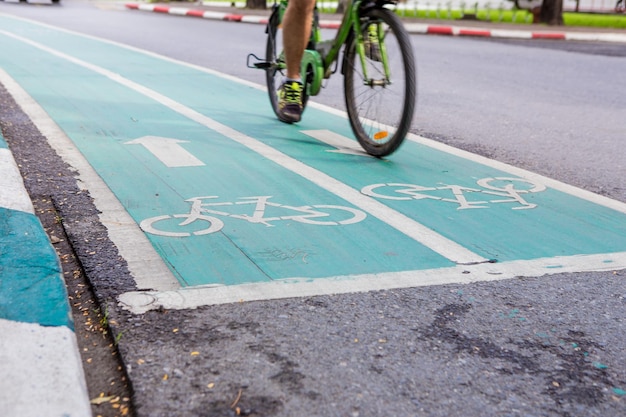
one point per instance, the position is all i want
(270, 57)
(410, 89)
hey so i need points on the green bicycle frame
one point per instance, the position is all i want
(320, 55)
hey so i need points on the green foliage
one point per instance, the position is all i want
(520, 17)
(507, 16)
(595, 20)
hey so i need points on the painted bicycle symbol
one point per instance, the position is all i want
(506, 190)
(204, 209)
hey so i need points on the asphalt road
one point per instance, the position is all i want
(543, 346)
(528, 103)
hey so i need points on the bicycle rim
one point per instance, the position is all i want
(380, 110)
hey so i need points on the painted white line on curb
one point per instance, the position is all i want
(42, 372)
(13, 195)
(214, 15)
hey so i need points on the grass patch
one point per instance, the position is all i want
(614, 21)
(595, 20)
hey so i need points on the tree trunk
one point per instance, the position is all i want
(256, 4)
(341, 6)
(551, 12)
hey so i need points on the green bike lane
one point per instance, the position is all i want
(161, 134)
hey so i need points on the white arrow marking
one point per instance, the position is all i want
(168, 151)
(341, 144)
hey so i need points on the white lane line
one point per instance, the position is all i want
(147, 267)
(418, 232)
(193, 297)
(341, 143)
(168, 150)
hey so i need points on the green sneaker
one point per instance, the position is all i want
(290, 102)
(372, 44)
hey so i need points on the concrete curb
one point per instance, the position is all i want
(415, 28)
(41, 365)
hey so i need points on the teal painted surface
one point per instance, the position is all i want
(100, 116)
(3, 144)
(31, 284)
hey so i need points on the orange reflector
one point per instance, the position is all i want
(381, 135)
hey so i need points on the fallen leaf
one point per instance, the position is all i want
(101, 399)
(237, 399)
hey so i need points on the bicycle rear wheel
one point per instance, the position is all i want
(274, 55)
(380, 108)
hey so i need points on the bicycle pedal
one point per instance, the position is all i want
(260, 64)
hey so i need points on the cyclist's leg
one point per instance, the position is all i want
(296, 32)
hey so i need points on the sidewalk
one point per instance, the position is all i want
(472, 28)
(41, 365)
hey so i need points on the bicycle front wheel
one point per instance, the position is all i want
(380, 93)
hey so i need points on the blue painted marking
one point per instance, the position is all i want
(479, 207)
(32, 289)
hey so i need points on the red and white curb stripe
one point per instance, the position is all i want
(513, 34)
(207, 14)
(411, 27)
(182, 11)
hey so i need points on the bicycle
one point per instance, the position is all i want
(203, 212)
(377, 64)
(503, 187)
